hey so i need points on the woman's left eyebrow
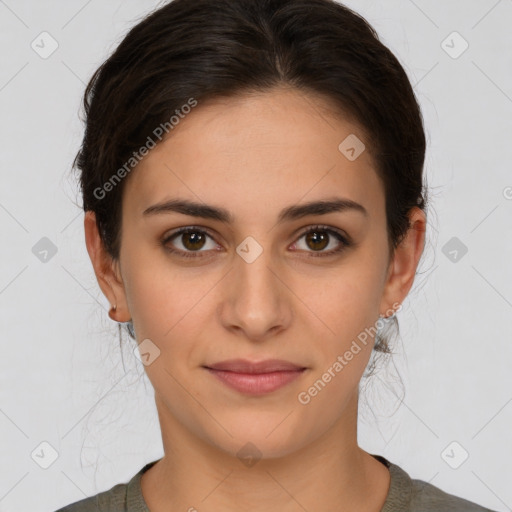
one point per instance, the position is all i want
(293, 212)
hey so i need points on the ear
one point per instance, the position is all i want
(106, 269)
(404, 262)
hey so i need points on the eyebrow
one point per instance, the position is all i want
(294, 212)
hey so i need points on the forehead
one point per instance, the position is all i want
(256, 151)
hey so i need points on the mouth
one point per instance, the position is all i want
(255, 367)
(256, 378)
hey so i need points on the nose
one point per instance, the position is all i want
(256, 301)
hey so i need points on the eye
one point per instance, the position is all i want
(192, 239)
(320, 237)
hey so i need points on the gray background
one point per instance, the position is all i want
(63, 380)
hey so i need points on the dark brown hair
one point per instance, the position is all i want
(206, 49)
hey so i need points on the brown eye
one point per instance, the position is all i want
(187, 241)
(318, 238)
(192, 240)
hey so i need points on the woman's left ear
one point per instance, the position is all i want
(107, 270)
(403, 265)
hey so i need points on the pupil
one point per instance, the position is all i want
(196, 238)
(316, 238)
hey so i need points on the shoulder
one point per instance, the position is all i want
(113, 500)
(427, 497)
(412, 495)
(124, 497)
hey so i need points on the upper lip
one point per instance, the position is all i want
(246, 366)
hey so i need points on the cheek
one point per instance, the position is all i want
(349, 300)
(341, 360)
(170, 308)
(348, 308)
(156, 293)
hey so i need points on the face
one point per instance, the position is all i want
(272, 281)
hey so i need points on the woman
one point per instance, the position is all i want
(255, 212)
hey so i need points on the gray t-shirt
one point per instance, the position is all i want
(404, 495)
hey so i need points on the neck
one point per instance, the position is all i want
(331, 473)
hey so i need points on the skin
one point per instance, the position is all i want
(255, 155)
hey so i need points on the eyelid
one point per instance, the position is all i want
(303, 231)
(184, 229)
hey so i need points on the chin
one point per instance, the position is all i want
(264, 439)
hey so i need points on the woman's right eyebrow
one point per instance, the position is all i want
(293, 212)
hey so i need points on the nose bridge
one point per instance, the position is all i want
(254, 272)
(257, 283)
(257, 299)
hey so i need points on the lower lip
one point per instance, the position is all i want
(256, 384)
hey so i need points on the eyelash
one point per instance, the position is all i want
(345, 242)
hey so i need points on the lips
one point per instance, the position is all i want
(255, 378)
(249, 367)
